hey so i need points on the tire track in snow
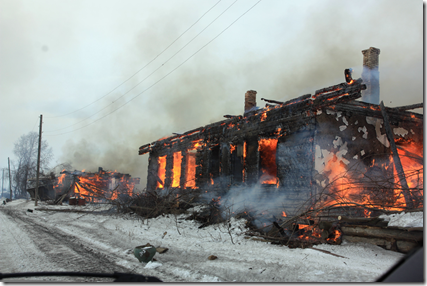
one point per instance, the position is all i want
(66, 251)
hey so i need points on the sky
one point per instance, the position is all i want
(109, 76)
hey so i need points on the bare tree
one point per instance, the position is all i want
(25, 165)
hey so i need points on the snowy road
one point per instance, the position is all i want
(103, 242)
(41, 248)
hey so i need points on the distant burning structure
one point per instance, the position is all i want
(323, 148)
(92, 187)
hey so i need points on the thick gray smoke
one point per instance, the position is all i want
(328, 38)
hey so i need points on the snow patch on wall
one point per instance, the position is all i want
(364, 130)
(400, 131)
(378, 124)
(337, 142)
(322, 157)
(343, 150)
(344, 120)
(343, 127)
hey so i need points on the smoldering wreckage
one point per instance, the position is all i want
(320, 168)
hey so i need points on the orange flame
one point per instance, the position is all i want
(267, 149)
(161, 173)
(263, 116)
(348, 188)
(176, 169)
(98, 186)
(190, 181)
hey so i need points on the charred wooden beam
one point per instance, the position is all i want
(297, 99)
(329, 89)
(347, 74)
(144, 149)
(396, 159)
(294, 100)
(338, 87)
(347, 92)
(409, 107)
(381, 232)
(272, 101)
(233, 116)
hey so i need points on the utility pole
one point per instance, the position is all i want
(38, 160)
(10, 181)
(2, 182)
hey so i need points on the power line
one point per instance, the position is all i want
(151, 72)
(142, 67)
(164, 75)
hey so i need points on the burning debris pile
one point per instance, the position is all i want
(93, 187)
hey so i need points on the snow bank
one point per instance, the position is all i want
(410, 219)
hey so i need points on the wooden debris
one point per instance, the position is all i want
(371, 231)
(161, 249)
(328, 252)
(212, 257)
(409, 107)
(64, 210)
(371, 221)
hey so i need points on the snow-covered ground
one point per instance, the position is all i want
(34, 241)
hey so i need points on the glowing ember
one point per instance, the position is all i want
(263, 116)
(367, 213)
(284, 214)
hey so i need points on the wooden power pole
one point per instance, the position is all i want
(10, 180)
(2, 181)
(36, 193)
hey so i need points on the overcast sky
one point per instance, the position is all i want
(109, 75)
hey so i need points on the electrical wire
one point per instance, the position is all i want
(164, 75)
(142, 67)
(150, 73)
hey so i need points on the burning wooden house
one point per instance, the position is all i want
(323, 148)
(93, 187)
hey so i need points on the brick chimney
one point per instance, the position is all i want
(371, 76)
(250, 100)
